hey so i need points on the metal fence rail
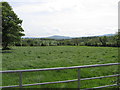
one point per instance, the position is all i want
(62, 68)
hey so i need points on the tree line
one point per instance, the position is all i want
(106, 41)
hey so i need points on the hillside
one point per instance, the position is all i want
(59, 37)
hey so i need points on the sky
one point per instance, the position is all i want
(74, 18)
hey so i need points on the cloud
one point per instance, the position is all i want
(25, 1)
(67, 17)
(50, 6)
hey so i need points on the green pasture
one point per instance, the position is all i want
(20, 58)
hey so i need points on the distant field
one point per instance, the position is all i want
(59, 56)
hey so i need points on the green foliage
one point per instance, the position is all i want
(106, 41)
(11, 26)
(103, 40)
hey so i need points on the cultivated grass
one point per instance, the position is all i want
(59, 56)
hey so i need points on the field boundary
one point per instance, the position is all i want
(62, 68)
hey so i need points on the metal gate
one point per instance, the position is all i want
(63, 68)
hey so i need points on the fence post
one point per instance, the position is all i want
(118, 81)
(20, 79)
(78, 78)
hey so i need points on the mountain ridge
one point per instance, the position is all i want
(57, 37)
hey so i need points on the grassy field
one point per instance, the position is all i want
(59, 56)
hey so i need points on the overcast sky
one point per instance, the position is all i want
(74, 18)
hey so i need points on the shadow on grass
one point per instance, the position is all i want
(6, 50)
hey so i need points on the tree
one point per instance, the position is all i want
(11, 26)
(103, 40)
(76, 41)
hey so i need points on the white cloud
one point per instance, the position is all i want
(67, 17)
(25, 1)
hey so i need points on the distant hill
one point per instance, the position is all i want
(108, 35)
(58, 37)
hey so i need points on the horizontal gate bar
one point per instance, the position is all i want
(60, 68)
(9, 86)
(42, 83)
(100, 87)
(101, 77)
(63, 81)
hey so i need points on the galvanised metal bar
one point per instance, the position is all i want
(62, 81)
(101, 77)
(50, 82)
(60, 68)
(118, 80)
(79, 78)
(42, 83)
(10, 86)
(100, 87)
(20, 79)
